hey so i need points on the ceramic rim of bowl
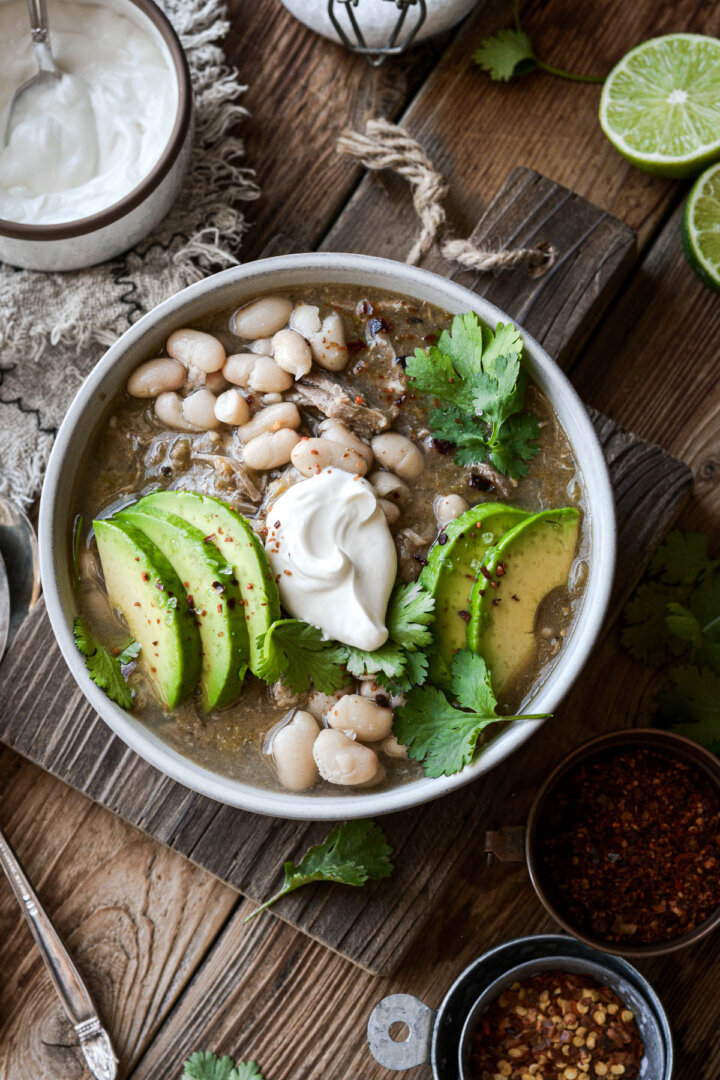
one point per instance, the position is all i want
(662, 741)
(67, 230)
(273, 275)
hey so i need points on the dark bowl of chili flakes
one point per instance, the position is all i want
(623, 842)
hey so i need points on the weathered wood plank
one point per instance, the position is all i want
(137, 918)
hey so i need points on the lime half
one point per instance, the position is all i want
(660, 106)
(701, 227)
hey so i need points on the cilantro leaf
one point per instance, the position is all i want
(692, 704)
(682, 558)
(104, 669)
(299, 653)
(441, 735)
(352, 854)
(389, 660)
(477, 373)
(646, 634)
(507, 53)
(683, 624)
(205, 1065)
(410, 611)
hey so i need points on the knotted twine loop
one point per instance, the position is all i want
(385, 145)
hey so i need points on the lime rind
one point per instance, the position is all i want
(660, 105)
(701, 227)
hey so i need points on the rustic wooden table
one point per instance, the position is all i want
(160, 941)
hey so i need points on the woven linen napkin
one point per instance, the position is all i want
(55, 327)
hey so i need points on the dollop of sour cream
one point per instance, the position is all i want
(333, 557)
(84, 142)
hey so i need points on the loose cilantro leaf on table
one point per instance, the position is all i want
(205, 1065)
(352, 854)
(442, 735)
(674, 615)
(105, 667)
(298, 653)
(400, 661)
(511, 52)
(478, 374)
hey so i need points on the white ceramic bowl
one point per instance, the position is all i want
(76, 244)
(228, 289)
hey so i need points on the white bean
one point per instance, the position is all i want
(361, 717)
(371, 689)
(216, 381)
(260, 373)
(272, 399)
(391, 510)
(232, 408)
(261, 318)
(397, 453)
(197, 349)
(311, 456)
(168, 409)
(449, 507)
(328, 344)
(292, 750)
(389, 486)
(199, 409)
(319, 704)
(263, 347)
(337, 432)
(292, 352)
(305, 319)
(273, 418)
(270, 450)
(155, 376)
(341, 760)
(393, 748)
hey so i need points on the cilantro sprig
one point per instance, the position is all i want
(478, 376)
(401, 661)
(442, 735)
(105, 667)
(511, 52)
(299, 653)
(352, 854)
(673, 621)
(204, 1065)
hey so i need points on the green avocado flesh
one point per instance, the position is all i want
(213, 595)
(451, 571)
(142, 584)
(238, 543)
(529, 562)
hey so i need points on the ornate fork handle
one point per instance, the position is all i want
(94, 1040)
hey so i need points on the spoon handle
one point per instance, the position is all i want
(73, 993)
(38, 20)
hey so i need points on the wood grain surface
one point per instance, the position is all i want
(267, 991)
(64, 736)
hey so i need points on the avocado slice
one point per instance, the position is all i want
(142, 584)
(453, 565)
(238, 543)
(529, 562)
(213, 594)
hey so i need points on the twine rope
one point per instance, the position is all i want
(385, 145)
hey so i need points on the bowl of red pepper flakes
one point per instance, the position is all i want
(623, 842)
(561, 1023)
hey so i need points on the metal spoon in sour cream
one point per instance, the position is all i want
(333, 557)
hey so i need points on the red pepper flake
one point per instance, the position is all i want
(557, 1025)
(442, 538)
(500, 569)
(630, 843)
(496, 601)
(209, 538)
(359, 400)
(355, 346)
(465, 615)
(288, 573)
(514, 597)
(144, 576)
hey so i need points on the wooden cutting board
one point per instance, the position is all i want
(44, 716)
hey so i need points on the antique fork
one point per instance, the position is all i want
(94, 1040)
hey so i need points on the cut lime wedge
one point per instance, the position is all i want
(701, 227)
(660, 106)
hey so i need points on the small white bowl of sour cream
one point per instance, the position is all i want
(94, 166)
